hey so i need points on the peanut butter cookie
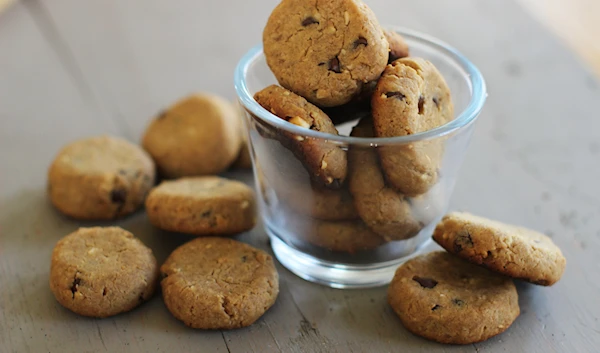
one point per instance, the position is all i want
(100, 178)
(199, 135)
(381, 208)
(513, 251)
(218, 283)
(443, 298)
(411, 96)
(326, 162)
(202, 206)
(324, 50)
(101, 272)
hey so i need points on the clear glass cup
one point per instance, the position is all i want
(317, 232)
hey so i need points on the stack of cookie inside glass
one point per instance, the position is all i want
(335, 65)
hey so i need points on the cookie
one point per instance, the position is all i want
(320, 203)
(383, 209)
(326, 162)
(445, 299)
(202, 206)
(199, 135)
(101, 272)
(511, 250)
(324, 51)
(398, 46)
(218, 283)
(100, 178)
(345, 236)
(411, 97)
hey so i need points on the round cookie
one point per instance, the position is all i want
(445, 299)
(199, 135)
(326, 162)
(345, 236)
(324, 50)
(100, 272)
(385, 211)
(513, 251)
(218, 283)
(202, 206)
(100, 178)
(411, 96)
(398, 47)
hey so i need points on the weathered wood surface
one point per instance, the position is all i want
(71, 68)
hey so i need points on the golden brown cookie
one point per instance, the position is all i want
(218, 283)
(445, 299)
(199, 135)
(513, 251)
(324, 50)
(100, 178)
(101, 272)
(344, 236)
(411, 97)
(326, 162)
(383, 209)
(398, 47)
(202, 206)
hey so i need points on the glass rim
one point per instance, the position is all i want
(464, 118)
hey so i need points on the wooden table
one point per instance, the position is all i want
(70, 69)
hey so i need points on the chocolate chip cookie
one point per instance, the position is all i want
(398, 46)
(326, 162)
(380, 207)
(218, 283)
(100, 272)
(411, 96)
(513, 251)
(202, 206)
(323, 50)
(199, 135)
(100, 178)
(446, 299)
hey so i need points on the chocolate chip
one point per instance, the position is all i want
(76, 282)
(462, 241)
(336, 183)
(104, 291)
(435, 307)
(309, 21)
(458, 302)
(360, 41)
(334, 65)
(118, 195)
(421, 105)
(141, 298)
(206, 213)
(321, 64)
(244, 258)
(395, 94)
(162, 114)
(425, 282)
(164, 275)
(436, 101)
(541, 282)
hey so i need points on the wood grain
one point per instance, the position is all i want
(72, 68)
